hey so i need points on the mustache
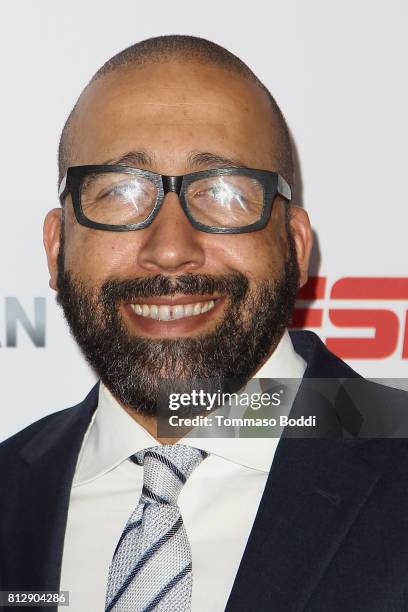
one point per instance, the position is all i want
(235, 285)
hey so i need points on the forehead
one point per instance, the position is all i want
(170, 109)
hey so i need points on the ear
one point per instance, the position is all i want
(51, 239)
(303, 237)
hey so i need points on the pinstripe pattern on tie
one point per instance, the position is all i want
(151, 568)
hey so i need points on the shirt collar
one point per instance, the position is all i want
(113, 435)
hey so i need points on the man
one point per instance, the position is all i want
(162, 277)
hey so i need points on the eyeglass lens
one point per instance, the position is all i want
(116, 198)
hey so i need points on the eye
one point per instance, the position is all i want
(223, 194)
(127, 191)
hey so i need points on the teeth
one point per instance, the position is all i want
(188, 310)
(163, 312)
(178, 312)
(154, 312)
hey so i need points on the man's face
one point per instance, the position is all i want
(178, 117)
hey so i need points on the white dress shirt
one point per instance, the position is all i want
(218, 503)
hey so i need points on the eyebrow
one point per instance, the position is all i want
(132, 158)
(195, 159)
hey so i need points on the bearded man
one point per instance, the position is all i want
(177, 254)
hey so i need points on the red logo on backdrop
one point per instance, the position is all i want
(385, 322)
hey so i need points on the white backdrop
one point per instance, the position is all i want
(337, 69)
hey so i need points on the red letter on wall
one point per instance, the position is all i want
(314, 289)
(384, 322)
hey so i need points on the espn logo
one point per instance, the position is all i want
(387, 324)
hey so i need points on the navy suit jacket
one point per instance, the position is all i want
(330, 534)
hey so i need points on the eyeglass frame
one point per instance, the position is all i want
(272, 182)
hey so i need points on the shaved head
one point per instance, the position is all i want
(189, 49)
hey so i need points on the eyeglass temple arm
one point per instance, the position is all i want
(62, 187)
(284, 188)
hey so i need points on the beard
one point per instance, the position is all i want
(139, 371)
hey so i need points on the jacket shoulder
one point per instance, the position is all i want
(14, 443)
(321, 362)
(56, 420)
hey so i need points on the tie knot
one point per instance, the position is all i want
(166, 469)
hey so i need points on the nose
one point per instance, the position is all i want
(171, 244)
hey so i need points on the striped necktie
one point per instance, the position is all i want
(151, 568)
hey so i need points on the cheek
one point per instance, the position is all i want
(271, 245)
(257, 254)
(95, 255)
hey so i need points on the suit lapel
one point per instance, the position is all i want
(314, 491)
(34, 544)
(313, 494)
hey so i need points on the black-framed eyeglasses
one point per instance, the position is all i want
(122, 198)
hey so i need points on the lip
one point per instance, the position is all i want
(174, 327)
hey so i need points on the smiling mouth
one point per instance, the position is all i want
(172, 312)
